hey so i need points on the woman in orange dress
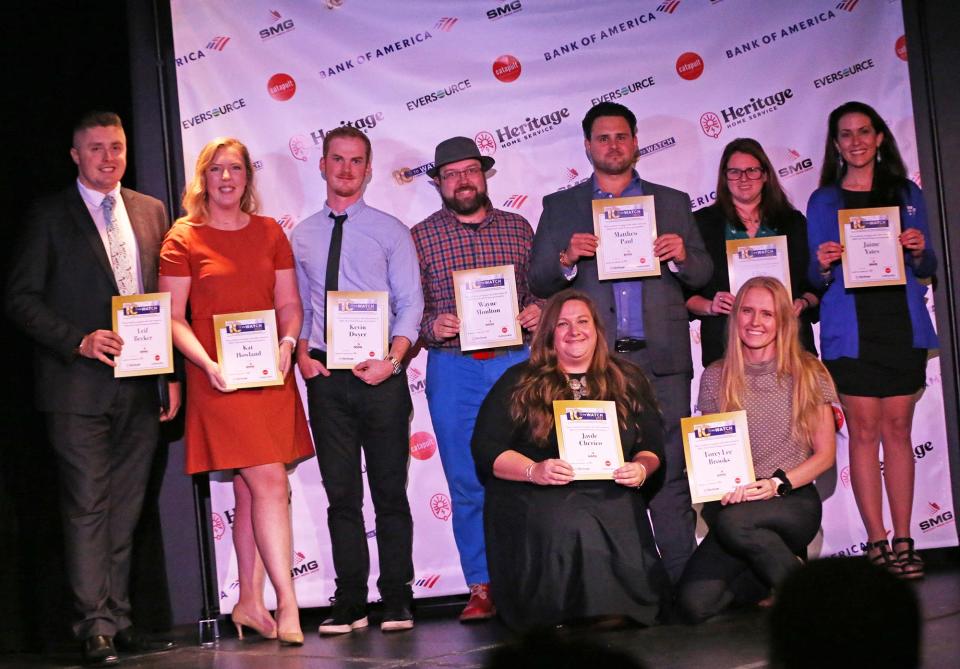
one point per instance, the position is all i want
(223, 258)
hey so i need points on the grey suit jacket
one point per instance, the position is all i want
(665, 320)
(59, 289)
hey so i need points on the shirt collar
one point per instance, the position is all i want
(453, 220)
(352, 211)
(599, 192)
(94, 197)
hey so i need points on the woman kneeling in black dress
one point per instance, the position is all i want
(561, 550)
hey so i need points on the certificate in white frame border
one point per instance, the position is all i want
(118, 303)
(708, 421)
(845, 217)
(734, 247)
(647, 203)
(269, 317)
(462, 277)
(561, 407)
(383, 304)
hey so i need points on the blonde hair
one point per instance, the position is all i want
(807, 372)
(194, 201)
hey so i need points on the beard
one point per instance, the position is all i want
(466, 201)
(615, 164)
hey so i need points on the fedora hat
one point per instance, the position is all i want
(456, 149)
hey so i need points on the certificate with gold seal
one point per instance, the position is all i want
(872, 253)
(143, 323)
(716, 448)
(758, 256)
(247, 349)
(358, 325)
(588, 437)
(627, 228)
(487, 307)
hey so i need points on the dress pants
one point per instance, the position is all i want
(346, 415)
(457, 384)
(103, 463)
(668, 493)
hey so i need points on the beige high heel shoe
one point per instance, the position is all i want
(241, 618)
(290, 638)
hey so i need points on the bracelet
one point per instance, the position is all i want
(293, 342)
(528, 472)
(644, 468)
(565, 260)
(805, 301)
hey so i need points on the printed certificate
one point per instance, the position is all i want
(487, 307)
(760, 256)
(143, 322)
(627, 228)
(872, 253)
(588, 437)
(357, 327)
(247, 349)
(717, 450)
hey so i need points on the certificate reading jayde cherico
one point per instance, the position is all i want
(717, 451)
(759, 256)
(247, 349)
(627, 228)
(487, 307)
(872, 253)
(358, 325)
(143, 323)
(588, 437)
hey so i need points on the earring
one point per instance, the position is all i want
(840, 161)
(879, 157)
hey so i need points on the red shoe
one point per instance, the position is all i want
(480, 606)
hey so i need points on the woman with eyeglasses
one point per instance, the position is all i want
(874, 340)
(750, 203)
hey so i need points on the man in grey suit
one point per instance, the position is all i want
(79, 248)
(645, 319)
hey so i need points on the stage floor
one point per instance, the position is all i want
(733, 641)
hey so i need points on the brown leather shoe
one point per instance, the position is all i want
(98, 651)
(480, 606)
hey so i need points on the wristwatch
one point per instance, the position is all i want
(784, 487)
(397, 367)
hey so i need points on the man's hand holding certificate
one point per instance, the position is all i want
(143, 323)
(247, 349)
(627, 229)
(717, 452)
(872, 251)
(588, 437)
(487, 307)
(357, 327)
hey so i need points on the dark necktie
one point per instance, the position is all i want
(333, 255)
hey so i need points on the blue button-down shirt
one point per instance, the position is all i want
(377, 253)
(628, 294)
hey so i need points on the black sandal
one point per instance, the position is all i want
(911, 564)
(884, 558)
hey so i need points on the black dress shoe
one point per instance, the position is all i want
(130, 640)
(98, 651)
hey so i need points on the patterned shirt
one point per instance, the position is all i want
(445, 245)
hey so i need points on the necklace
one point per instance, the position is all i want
(578, 386)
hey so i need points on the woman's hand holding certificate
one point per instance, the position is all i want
(247, 350)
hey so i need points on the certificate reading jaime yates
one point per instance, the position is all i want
(646, 318)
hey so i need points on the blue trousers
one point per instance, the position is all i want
(456, 387)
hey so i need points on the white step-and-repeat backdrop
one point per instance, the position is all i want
(518, 77)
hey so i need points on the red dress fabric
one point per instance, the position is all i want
(233, 271)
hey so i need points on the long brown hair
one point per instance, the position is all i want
(542, 382)
(774, 203)
(806, 371)
(195, 194)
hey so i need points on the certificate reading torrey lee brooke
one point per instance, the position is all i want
(588, 437)
(247, 349)
(717, 450)
(872, 253)
(487, 307)
(627, 228)
(143, 323)
(357, 327)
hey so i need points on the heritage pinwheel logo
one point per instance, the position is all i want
(485, 143)
(710, 124)
(440, 506)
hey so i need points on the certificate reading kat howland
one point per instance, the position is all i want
(588, 437)
(143, 323)
(247, 349)
(759, 256)
(627, 228)
(358, 325)
(487, 307)
(717, 450)
(872, 253)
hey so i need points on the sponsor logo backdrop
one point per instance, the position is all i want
(518, 77)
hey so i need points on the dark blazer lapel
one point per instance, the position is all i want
(88, 229)
(141, 224)
(584, 200)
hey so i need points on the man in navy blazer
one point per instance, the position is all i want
(645, 319)
(104, 430)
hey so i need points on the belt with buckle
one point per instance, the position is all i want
(628, 344)
(490, 353)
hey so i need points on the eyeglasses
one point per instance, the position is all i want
(454, 175)
(735, 173)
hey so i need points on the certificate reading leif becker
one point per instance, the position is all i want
(872, 254)
(143, 323)
(717, 450)
(247, 349)
(487, 307)
(588, 437)
(357, 327)
(627, 228)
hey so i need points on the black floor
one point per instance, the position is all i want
(733, 641)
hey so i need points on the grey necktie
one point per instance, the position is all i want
(120, 259)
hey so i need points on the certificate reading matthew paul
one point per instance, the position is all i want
(357, 327)
(588, 437)
(627, 228)
(872, 254)
(247, 349)
(143, 323)
(717, 450)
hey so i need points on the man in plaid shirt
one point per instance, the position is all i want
(467, 233)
